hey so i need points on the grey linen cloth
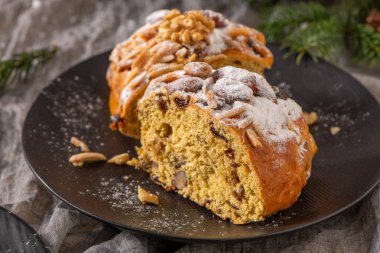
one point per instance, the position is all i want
(80, 29)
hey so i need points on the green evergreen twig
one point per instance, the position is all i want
(312, 29)
(21, 66)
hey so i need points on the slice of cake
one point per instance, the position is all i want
(169, 40)
(225, 140)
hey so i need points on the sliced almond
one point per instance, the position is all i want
(181, 53)
(82, 158)
(253, 138)
(167, 58)
(146, 197)
(134, 162)
(206, 86)
(80, 144)
(311, 118)
(291, 125)
(231, 113)
(121, 159)
(124, 64)
(244, 122)
(137, 80)
(211, 100)
(334, 130)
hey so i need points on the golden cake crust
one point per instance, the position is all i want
(169, 40)
(270, 131)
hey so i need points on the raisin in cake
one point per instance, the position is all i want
(167, 41)
(225, 140)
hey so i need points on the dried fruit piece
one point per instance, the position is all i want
(146, 197)
(120, 159)
(181, 102)
(180, 180)
(82, 158)
(80, 144)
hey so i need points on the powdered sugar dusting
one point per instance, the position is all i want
(255, 81)
(217, 41)
(232, 90)
(269, 120)
(125, 94)
(290, 107)
(271, 117)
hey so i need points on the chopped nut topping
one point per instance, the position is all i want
(334, 130)
(231, 113)
(80, 144)
(146, 197)
(186, 28)
(252, 136)
(311, 118)
(120, 159)
(126, 177)
(81, 158)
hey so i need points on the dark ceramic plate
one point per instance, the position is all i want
(17, 236)
(346, 168)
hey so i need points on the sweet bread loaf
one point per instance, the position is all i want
(224, 139)
(167, 41)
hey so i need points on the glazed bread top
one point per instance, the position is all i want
(279, 143)
(170, 39)
(237, 97)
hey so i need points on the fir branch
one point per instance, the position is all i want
(364, 43)
(285, 18)
(317, 39)
(23, 65)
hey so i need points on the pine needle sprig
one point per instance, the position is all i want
(308, 28)
(317, 39)
(364, 43)
(285, 18)
(23, 65)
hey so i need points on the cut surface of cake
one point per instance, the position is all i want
(226, 140)
(168, 41)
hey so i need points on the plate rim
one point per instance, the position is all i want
(194, 238)
(30, 228)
